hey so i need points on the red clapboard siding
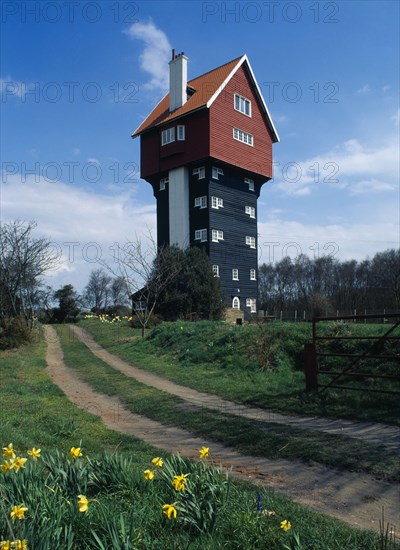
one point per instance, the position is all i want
(223, 118)
(156, 158)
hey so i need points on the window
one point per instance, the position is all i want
(235, 274)
(251, 211)
(251, 241)
(163, 183)
(244, 137)
(215, 269)
(180, 132)
(217, 202)
(251, 303)
(200, 172)
(201, 202)
(236, 303)
(167, 136)
(250, 183)
(253, 275)
(217, 172)
(243, 105)
(217, 235)
(200, 235)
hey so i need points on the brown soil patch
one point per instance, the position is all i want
(354, 498)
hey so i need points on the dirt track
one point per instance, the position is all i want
(354, 498)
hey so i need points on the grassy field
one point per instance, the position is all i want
(125, 509)
(260, 365)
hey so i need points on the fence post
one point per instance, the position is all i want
(310, 363)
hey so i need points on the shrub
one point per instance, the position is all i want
(14, 331)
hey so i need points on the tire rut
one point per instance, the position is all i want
(356, 499)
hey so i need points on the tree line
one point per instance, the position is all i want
(325, 285)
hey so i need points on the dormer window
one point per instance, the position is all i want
(242, 105)
(167, 136)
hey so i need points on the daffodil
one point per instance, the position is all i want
(5, 545)
(158, 462)
(18, 512)
(5, 467)
(34, 453)
(21, 544)
(75, 452)
(9, 451)
(169, 510)
(179, 482)
(83, 503)
(204, 451)
(148, 474)
(286, 525)
(17, 463)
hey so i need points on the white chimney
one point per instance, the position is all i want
(177, 80)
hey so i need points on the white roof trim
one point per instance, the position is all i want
(228, 78)
(162, 99)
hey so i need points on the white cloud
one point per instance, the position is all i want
(396, 118)
(371, 186)
(76, 151)
(279, 238)
(11, 87)
(83, 226)
(93, 160)
(348, 165)
(156, 54)
(364, 90)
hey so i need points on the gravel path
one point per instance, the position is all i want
(354, 498)
(383, 434)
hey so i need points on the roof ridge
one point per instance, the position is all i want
(217, 68)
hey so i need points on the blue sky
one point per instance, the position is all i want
(77, 80)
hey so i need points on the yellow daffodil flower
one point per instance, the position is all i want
(204, 451)
(9, 451)
(21, 544)
(5, 467)
(179, 482)
(5, 545)
(18, 512)
(158, 462)
(148, 474)
(34, 453)
(169, 510)
(83, 503)
(75, 452)
(286, 525)
(17, 463)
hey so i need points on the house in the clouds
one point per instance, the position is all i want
(206, 149)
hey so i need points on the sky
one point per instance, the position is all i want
(77, 79)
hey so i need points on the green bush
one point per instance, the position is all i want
(14, 331)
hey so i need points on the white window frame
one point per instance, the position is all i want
(200, 172)
(200, 202)
(216, 172)
(163, 183)
(252, 304)
(180, 132)
(235, 274)
(215, 269)
(250, 183)
(217, 235)
(240, 103)
(251, 211)
(236, 303)
(200, 235)
(251, 241)
(243, 137)
(168, 136)
(253, 275)
(217, 202)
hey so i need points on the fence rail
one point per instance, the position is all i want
(313, 354)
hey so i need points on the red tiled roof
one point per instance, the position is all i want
(205, 86)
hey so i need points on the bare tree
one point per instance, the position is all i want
(23, 260)
(146, 272)
(97, 291)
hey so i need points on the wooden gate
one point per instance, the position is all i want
(321, 362)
